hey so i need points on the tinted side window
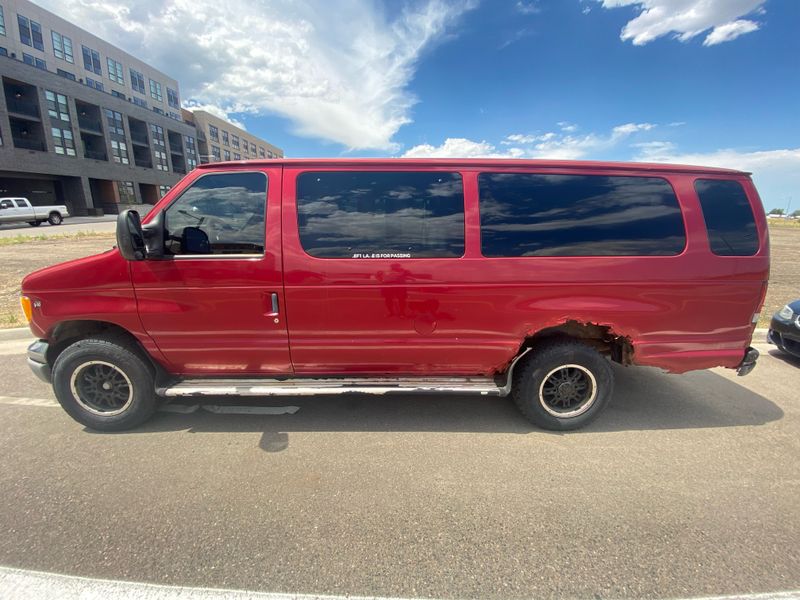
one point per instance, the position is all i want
(219, 214)
(578, 215)
(381, 215)
(729, 217)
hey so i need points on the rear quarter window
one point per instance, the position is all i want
(526, 214)
(367, 214)
(728, 216)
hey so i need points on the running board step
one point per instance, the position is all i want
(310, 387)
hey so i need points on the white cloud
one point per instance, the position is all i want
(776, 173)
(688, 19)
(528, 8)
(338, 70)
(729, 31)
(549, 145)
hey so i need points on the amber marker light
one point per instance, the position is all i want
(26, 308)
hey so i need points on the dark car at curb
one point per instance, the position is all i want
(784, 329)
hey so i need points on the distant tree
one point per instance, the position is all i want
(796, 214)
(776, 211)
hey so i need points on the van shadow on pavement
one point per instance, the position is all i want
(645, 399)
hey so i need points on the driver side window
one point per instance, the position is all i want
(221, 213)
(6, 204)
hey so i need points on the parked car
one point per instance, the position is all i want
(20, 210)
(491, 277)
(784, 329)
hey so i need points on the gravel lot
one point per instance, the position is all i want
(18, 259)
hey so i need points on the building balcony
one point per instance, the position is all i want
(27, 144)
(95, 126)
(25, 108)
(94, 155)
(139, 138)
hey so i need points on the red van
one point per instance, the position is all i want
(493, 277)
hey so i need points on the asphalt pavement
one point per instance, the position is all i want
(71, 225)
(686, 486)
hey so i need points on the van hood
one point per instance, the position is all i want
(99, 272)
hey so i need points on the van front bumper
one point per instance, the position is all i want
(37, 360)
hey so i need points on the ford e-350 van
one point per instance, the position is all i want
(493, 277)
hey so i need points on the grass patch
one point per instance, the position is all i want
(80, 235)
(778, 223)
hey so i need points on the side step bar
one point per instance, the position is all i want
(301, 386)
(311, 387)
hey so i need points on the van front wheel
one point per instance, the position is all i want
(104, 385)
(563, 385)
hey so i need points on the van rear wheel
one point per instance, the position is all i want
(104, 385)
(563, 385)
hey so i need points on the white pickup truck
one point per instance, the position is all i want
(19, 210)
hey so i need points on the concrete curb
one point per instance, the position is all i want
(18, 333)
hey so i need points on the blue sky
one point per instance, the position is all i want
(713, 82)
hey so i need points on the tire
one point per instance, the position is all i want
(104, 385)
(34, 223)
(54, 219)
(563, 386)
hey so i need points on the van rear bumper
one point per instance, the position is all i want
(748, 362)
(37, 360)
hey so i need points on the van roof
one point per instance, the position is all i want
(476, 162)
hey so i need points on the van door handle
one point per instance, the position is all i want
(274, 307)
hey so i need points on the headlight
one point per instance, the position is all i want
(786, 313)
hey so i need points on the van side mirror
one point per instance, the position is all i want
(130, 239)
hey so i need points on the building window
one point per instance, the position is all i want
(63, 141)
(62, 47)
(245, 146)
(237, 156)
(213, 133)
(215, 153)
(30, 33)
(127, 195)
(235, 141)
(115, 71)
(119, 150)
(57, 105)
(94, 84)
(158, 135)
(139, 102)
(158, 110)
(253, 149)
(161, 160)
(2, 22)
(3, 51)
(34, 61)
(91, 60)
(175, 116)
(225, 138)
(172, 98)
(117, 94)
(270, 154)
(137, 81)
(66, 74)
(227, 154)
(114, 122)
(191, 152)
(163, 189)
(261, 152)
(155, 91)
